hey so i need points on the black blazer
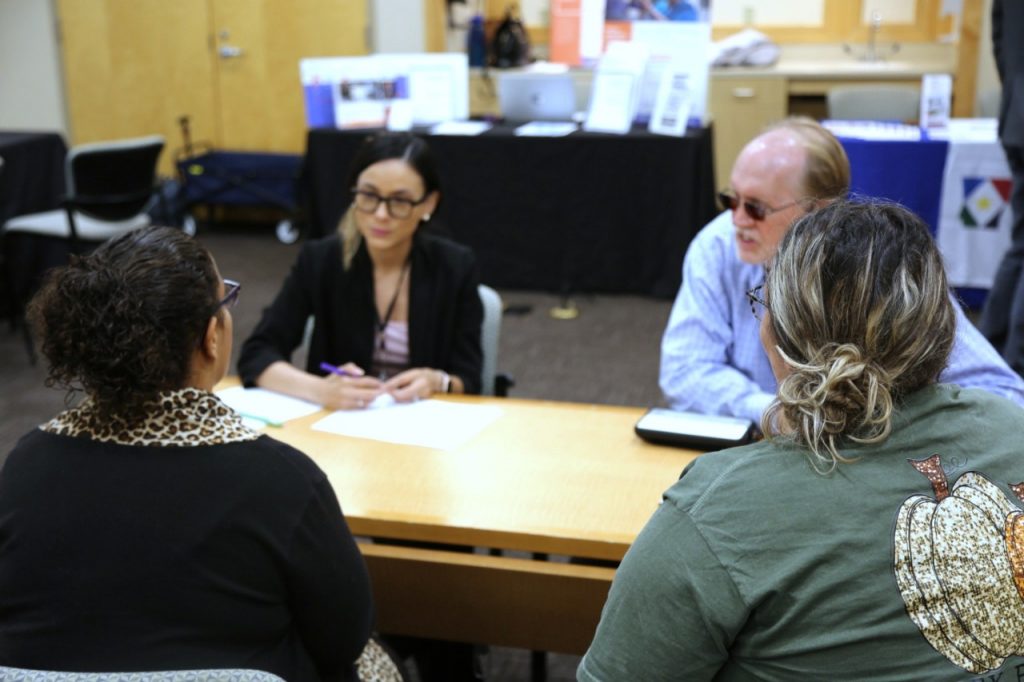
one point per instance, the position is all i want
(445, 313)
(1007, 30)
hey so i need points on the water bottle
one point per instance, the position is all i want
(476, 42)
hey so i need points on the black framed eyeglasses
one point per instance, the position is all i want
(755, 209)
(231, 291)
(398, 207)
(757, 304)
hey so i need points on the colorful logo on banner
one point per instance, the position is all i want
(985, 200)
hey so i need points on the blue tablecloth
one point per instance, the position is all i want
(909, 173)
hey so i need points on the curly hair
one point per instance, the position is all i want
(121, 323)
(861, 315)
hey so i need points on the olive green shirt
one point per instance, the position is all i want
(757, 567)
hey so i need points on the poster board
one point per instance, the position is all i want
(676, 32)
(360, 92)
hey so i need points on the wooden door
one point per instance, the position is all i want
(258, 45)
(133, 67)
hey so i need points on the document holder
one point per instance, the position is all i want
(693, 430)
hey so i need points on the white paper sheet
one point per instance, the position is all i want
(435, 424)
(672, 108)
(612, 103)
(265, 407)
(545, 129)
(873, 130)
(460, 128)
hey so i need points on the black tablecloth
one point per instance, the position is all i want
(31, 181)
(584, 213)
(32, 177)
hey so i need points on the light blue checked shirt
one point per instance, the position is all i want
(711, 355)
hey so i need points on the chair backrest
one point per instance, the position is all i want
(233, 675)
(490, 333)
(113, 180)
(874, 102)
(988, 103)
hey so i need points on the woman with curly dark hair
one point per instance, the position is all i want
(147, 528)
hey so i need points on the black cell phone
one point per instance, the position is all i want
(693, 430)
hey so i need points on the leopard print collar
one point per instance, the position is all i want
(187, 417)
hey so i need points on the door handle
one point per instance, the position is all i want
(229, 52)
(744, 93)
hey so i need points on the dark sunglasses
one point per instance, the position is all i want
(755, 209)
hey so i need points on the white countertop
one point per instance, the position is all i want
(831, 62)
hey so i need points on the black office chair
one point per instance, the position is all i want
(109, 185)
(874, 102)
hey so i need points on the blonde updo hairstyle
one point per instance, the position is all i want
(859, 306)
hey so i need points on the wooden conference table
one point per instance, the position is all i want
(545, 477)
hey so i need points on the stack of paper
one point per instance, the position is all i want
(435, 424)
(260, 407)
(874, 130)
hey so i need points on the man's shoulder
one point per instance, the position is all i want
(718, 231)
(712, 256)
(714, 244)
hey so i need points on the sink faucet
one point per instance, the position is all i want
(871, 52)
(871, 55)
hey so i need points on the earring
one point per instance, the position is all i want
(426, 217)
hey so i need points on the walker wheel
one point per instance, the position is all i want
(287, 232)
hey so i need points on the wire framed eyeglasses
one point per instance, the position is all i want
(757, 304)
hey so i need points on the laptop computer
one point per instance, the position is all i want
(536, 96)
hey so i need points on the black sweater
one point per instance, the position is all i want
(132, 558)
(445, 313)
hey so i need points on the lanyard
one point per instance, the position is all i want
(382, 324)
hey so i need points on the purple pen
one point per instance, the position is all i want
(328, 367)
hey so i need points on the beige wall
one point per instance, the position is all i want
(31, 87)
(31, 90)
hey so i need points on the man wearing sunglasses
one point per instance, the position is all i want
(712, 360)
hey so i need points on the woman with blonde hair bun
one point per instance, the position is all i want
(859, 284)
(877, 531)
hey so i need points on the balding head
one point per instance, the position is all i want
(826, 174)
(791, 168)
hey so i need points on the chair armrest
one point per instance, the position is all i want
(85, 200)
